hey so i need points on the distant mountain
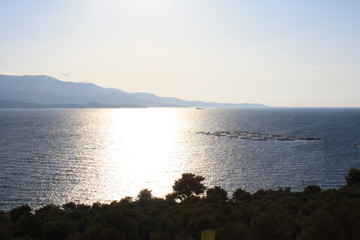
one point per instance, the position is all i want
(43, 91)
(18, 104)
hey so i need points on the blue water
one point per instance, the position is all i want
(88, 155)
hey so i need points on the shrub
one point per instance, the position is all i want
(216, 194)
(16, 213)
(353, 176)
(312, 189)
(240, 194)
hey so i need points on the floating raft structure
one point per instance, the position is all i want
(257, 136)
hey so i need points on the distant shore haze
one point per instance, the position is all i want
(41, 91)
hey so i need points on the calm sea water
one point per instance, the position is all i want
(88, 155)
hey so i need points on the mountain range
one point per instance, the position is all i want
(40, 91)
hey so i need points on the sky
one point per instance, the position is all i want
(280, 53)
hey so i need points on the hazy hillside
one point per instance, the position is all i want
(45, 90)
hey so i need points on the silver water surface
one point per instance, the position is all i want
(89, 155)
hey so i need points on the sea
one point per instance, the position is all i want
(54, 156)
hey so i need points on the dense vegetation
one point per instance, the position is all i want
(194, 212)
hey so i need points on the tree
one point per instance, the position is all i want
(5, 227)
(145, 197)
(18, 212)
(353, 176)
(145, 194)
(188, 185)
(216, 193)
(312, 189)
(240, 195)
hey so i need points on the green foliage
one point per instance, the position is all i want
(58, 229)
(266, 214)
(235, 230)
(98, 232)
(126, 200)
(216, 194)
(188, 185)
(263, 227)
(159, 236)
(69, 206)
(312, 189)
(5, 230)
(17, 213)
(145, 194)
(353, 176)
(321, 226)
(241, 195)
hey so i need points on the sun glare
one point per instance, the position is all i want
(137, 150)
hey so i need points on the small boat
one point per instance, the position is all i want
(358, 146)
(199, 108)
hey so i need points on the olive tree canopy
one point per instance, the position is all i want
(188, 185)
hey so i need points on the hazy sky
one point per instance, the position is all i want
(280, 53)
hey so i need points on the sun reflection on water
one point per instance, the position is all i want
(138, 151)
(89, 155)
